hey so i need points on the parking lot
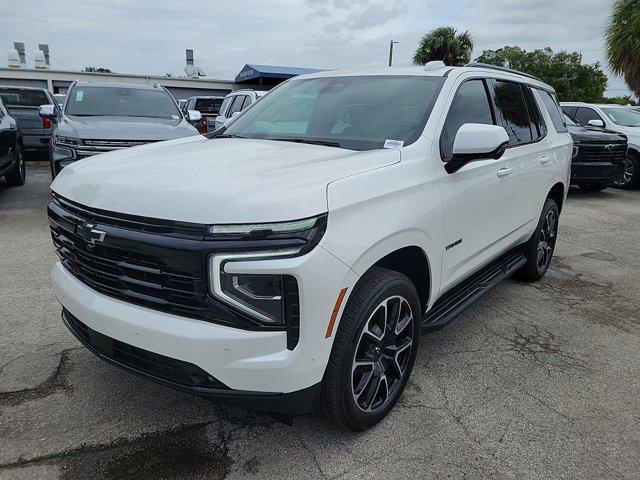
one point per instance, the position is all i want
(535, 381)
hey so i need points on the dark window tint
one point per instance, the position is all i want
(583, 115)
(237, 104)
(557, 116)
(571, 111)
(470, 105)
(17, 97)
(509, 101)
(538, 127)
(208, 105)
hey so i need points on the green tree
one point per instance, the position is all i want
(445, 44)
(623, 42)
(620, 100)
(96, 70)
(564, 71)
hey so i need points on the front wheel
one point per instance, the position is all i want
(19, 174)
(630, 177)
(373, 351)
(539, 249)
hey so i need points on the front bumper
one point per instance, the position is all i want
(37, 141)
(595, 172)
(241, 360)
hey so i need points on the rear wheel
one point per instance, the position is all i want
(373, 352)
(539, 249)
(19, 174)
(630, 177)
(593, 187)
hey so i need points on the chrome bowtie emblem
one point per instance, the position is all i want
(89, 233)
(609, 147)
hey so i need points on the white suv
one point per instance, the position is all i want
(617, 118)
(292, 261)
(234, 103)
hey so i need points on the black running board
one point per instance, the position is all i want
(460, 297)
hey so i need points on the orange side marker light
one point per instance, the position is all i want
(334, 314)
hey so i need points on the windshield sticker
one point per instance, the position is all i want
(175, 117)
(393, 144)
(79, 95)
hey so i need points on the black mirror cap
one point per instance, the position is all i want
(458, 161)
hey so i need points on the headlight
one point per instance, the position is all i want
(263, 297)
(62, 141)
(576, 150)
(271, 299)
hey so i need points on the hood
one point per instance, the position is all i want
(595, 135)
(222, 180)
(124, 128)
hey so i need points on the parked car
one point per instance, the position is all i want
(23, 103)
(234, 103)
(101, 117)
(209, 107)
(598, 156)
(292, 258)
(11, 155)
(620, 119)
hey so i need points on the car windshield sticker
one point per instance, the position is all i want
(175, 117)
(79, 95)
(393, 144)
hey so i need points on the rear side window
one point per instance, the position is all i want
(538, 127)
(17, 97)
(510, 103)
(237, 104)
(470, 105)
(556, 114)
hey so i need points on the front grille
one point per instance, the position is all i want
(89, 148)
(164, 369)
(599, 153)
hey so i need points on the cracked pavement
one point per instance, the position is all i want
(534, 381)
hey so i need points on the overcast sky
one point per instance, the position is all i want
(137, 36)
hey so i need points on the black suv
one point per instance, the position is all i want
(11, 157)
(598, 156)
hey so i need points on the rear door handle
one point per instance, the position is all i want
(503, 172)
(544, 159)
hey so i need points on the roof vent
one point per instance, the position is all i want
(16, 56)
(191, 69)
(434, 65)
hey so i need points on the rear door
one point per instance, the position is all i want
(477, 198)
(7, 137)
(526, 156)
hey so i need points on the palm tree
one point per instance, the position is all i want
(445, 44)
(623, 42)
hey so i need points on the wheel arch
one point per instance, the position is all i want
(557, 193)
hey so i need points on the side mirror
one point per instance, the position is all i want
(596, 123)
(47, 111)
(475, 141)
(194, 115)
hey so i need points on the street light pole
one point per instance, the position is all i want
(391, 43)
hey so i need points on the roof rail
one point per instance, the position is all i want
(501, 69)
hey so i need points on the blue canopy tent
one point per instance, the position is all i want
(269, 75)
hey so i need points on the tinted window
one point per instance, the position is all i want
(538, 127)
(470, 105)
(121, 101)
(583, 115)
(509, 101)
(627, 117)
(208, 105)
(359, 112)
(17, 97)
(571, 111)
(237, 104)
(557, 116)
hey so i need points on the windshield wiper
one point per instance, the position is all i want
(228, 135)
(326, 143)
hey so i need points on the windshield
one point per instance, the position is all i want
(17, 97)
(359, 113)
(626, 117)
(121, 101)
(568, 120)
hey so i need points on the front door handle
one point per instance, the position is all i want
(503, 172)
(544, 159)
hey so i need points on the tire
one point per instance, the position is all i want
(539, 249)
(630, 178)
(19, 175)
(593, 187)
(358, 397)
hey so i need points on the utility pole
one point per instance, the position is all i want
(391, 43)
